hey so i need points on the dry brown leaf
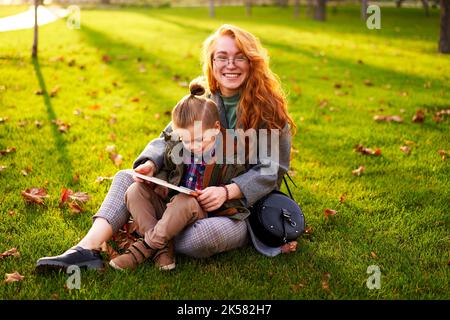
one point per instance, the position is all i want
(13, 277)
(35, 195)
(7, 150)
(373, 255)
(289, 247)
(329, 212)
(101, 179)
(11, 252)
(368, 83)
(360, 148)
(444, 154)
(342, 197)
(3, 168)
(106, 58)
(116, 158)
(135, 99)
(388, 118)
(405, 149)
(325, 285)
(359, 171)
(54, 91)
(3, 120)
(419, 117)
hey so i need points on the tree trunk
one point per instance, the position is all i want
(398, 3)
(296, 8)
(212, 12)
(426, 6)
(282, 3)
(364, 9)
(105, 1)
(320, 10)
(248, 7)
(35, 40)
(444, 42)
(309, 8)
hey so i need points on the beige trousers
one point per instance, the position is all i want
(157, 220)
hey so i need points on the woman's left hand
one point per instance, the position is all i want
(212, 198)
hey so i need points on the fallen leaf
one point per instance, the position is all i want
(3, 120)
(106, 58)
(39, 92)
(183, 84)
(11, 213)
(142, 68)
(13, 277)
(419, 117)
(75, 207)
(101, 179)
(116, 158)
(135, 99)
(405, 149)
(71, 63)
(35, 195)
(79, 196)
(109, 250)
(3, 168)
(443, 154)
(373, 255)
(110, 148)
(329, 212)
(26, 171)
(289, 247)
(359, 171)
(360, 148)
(368, 83)
(54, 91)
(323, 103)
(388, 118)
(342, 197)
(325, 285)
(22, 123)
(113, 119)
(297, 287)
(38, 124)
(94, 107)
(7, 150)
(157, 116)
(11, 252)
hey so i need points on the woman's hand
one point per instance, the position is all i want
(212, 198)
(148, 168)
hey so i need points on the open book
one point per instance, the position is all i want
(162, 183)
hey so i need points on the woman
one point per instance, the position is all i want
(249, 96)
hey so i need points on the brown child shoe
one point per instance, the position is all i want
(136, 254)
(165, 258)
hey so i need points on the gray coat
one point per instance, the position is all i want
(252, 183)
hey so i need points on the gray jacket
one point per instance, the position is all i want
(253, 184)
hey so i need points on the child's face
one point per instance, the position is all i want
(203, 141)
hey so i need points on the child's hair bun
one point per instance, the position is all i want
(196, 87)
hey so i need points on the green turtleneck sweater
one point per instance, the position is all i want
(230, 104)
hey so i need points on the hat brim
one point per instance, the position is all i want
(260, 246)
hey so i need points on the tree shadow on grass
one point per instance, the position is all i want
(63, 158)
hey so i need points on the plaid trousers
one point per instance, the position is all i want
(204, 238)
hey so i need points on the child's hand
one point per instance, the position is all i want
(148, 168)
(161, 191)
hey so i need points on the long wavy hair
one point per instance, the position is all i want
(262, 103)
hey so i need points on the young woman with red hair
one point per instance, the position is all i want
(248, 95)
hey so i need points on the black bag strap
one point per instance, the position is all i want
(287, 186)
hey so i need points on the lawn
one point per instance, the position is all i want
(115, 81)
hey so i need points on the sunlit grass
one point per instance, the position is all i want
(398, 209)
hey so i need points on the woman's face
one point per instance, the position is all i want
(230, 66)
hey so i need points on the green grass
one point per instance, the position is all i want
(397, 209)
(11, 10)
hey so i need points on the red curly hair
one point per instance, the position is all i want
(263, 103)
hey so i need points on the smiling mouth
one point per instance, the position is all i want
(231, 75)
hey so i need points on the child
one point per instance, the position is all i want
(158, 220)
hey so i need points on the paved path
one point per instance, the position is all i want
(25, 20)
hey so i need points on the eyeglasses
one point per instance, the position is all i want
(237, 61)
